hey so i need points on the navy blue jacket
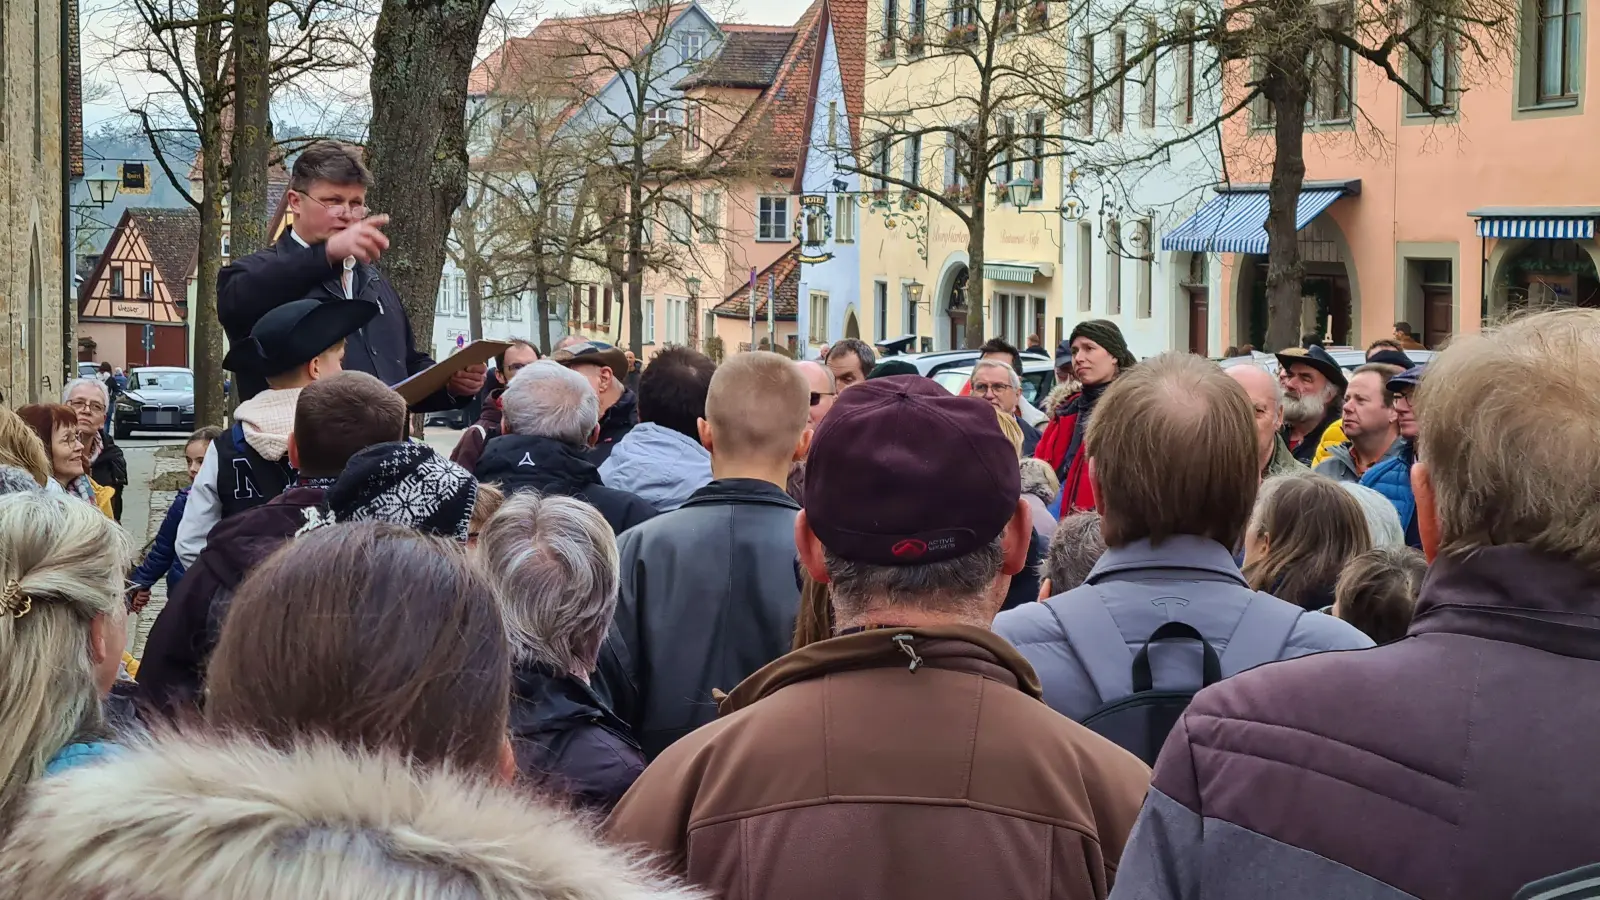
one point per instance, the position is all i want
(567, 740)
(162, 560)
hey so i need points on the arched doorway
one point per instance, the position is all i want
(35, 320)
(1543, 273)
(1330, 293)
(950, 313)
(852, 328)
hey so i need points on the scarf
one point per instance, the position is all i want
(405, 484)
(1083, 403)
(267, 418)
(93, 449)
(81, 488)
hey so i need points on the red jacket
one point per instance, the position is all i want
(1076, 492)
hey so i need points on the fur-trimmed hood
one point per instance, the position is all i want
(186, 820)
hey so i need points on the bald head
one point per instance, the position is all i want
(821, 382)
(757, 410)
(1266, 404)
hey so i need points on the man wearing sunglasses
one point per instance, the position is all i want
(328, 252)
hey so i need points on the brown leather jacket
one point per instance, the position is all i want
(892, 763)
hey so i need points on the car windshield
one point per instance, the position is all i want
(162, 381)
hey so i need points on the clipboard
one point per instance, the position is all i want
(432, 379)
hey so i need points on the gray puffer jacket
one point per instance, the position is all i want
(1188, 579)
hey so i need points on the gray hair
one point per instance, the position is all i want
(555, 565)
(1074, 549)
(66, 561)
(97, 384)
(1040, 480)
(547, 399)
(1383, 521)
(954, 585)
(14, 480)
(1277, 386)
(1016, 380)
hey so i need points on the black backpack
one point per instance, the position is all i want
(1132, 713)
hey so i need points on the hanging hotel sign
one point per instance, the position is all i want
(816, 229)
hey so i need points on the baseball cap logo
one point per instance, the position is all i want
(910, 548)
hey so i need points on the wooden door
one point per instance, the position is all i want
(1438, 308)
(958, 330)
(1199, 321)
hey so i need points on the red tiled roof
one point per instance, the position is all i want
(592, 48)
(849, 19)
(785, 272)
(778, 122)
(747, 59)
(173, 238)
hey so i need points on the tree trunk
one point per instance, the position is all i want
(975, 235)
(1284, 269)
(210, 402)
(417, 143)
(474, 300)
(634, 271)
(541, 308)
(252, 129)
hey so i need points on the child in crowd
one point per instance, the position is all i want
(1377, 591)
(490, 499)
(161, 561)
(291, 346)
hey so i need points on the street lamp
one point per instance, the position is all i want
(1021, 191)
(102, 187)
(914, 291)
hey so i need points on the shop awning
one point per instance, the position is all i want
(1557, 222)
(1022, 272)
(1236, 220)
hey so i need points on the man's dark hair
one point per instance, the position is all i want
(330, 161)
(500, 358)
(672, 390)
(1310, 339)
(999, 345)
(1405, 329)
(341, 415)
(861, 349)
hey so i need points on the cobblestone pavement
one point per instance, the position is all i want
(169, 473)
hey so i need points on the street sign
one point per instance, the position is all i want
(149, 337)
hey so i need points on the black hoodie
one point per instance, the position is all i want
(519, 462)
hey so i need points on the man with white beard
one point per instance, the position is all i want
(1315, 387)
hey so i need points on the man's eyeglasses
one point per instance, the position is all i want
(816, 396)
(985, 389)
(82, 405)
(352, 210)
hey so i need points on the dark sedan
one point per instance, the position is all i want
(158, 398)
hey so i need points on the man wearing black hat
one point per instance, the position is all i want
(327, 253)
(606, 369)
(1315, 384)
(916, 726)
(290, 347)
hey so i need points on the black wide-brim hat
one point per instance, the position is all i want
(295, 333)
(1317, 358)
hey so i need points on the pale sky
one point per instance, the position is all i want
(109, 93)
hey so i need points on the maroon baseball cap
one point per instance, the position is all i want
(902, 472)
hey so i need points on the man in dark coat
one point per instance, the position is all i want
(334, 418)
(1312, 769)
(549, 417)
(606, 369)
(328, 253)
(709, 590)
(487, 426)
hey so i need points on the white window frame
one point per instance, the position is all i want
(772, 218)
(461, 295)
(844, 219)
(710, 216)
(147, 283)
(691, 45)
(818, 326)
(880, 308)
(649, 320)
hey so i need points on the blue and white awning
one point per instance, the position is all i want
(1568, 223)
(1236, 221)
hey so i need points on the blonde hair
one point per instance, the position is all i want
(758, 405)
(20, 446)
(489, 500)
(66, 561)
(1010, 428)
(1510, 433)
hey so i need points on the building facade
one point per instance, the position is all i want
(134, 307)
(41, 150)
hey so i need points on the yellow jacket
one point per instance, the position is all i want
(102, 498)
(1332, 437)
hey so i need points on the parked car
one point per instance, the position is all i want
(88, 370)
(931, 364)
(158, 398)
(1348, 358)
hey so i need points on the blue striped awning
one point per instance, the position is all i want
(1536, 227)
(1235, 222)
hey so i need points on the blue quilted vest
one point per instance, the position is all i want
(1391, 477)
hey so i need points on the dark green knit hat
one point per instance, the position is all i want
(1103, 332)
(892, 367)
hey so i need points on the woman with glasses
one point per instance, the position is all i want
(91, 401)
(57, 426)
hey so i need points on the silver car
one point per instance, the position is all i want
(158, 398)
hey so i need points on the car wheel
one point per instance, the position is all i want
(122, 430)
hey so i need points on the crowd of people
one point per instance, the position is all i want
(770, 629)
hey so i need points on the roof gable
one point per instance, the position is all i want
(784, 276)
(165, 241)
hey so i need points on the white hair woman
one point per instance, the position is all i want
(554, 561)
(1382, 520)
(62, 628)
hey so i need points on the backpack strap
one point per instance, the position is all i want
(1096, 640)
(1262, 633)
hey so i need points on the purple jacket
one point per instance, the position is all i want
(1455, 764)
